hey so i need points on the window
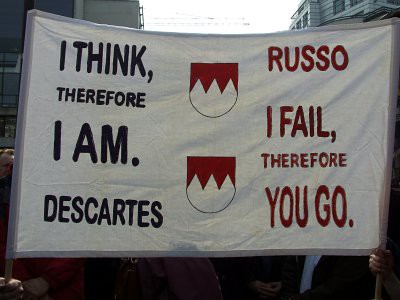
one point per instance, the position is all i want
(9, 89)
(338, 6)
(9, 82)
(64, 7)
(8, 60)
(7, 126)
(355, 2)
(395, 2)
(298, 24)
(305, 20)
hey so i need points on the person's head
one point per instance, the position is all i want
(6, 162)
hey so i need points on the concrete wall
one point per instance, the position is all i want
(121, 13)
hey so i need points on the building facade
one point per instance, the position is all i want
(313, 13)
(126, 13)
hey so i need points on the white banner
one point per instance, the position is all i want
(135, 143)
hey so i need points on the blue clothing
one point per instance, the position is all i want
(308, 270)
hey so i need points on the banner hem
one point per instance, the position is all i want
(231, 253)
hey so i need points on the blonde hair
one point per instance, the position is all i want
(7, 151)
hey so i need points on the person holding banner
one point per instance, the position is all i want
(57, 278)
(6, 164)
(326, 277)
(386, 263)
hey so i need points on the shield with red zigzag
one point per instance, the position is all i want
(213, 88)
(210, 182)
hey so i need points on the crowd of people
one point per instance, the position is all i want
(250, 278)
(246, 278)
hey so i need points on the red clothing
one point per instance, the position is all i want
(64, 275)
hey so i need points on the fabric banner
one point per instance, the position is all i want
(135, 143)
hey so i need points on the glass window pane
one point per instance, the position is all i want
(11, 57)
(1, 83)
(8, 59)
(11, 19)
(11, 83)
(9, 128)
(305, 20)
(10, 101)
(338, 6)
(2, 125)
(59, 7)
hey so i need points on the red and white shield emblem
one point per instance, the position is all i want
(213, 88)
(210, 182)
